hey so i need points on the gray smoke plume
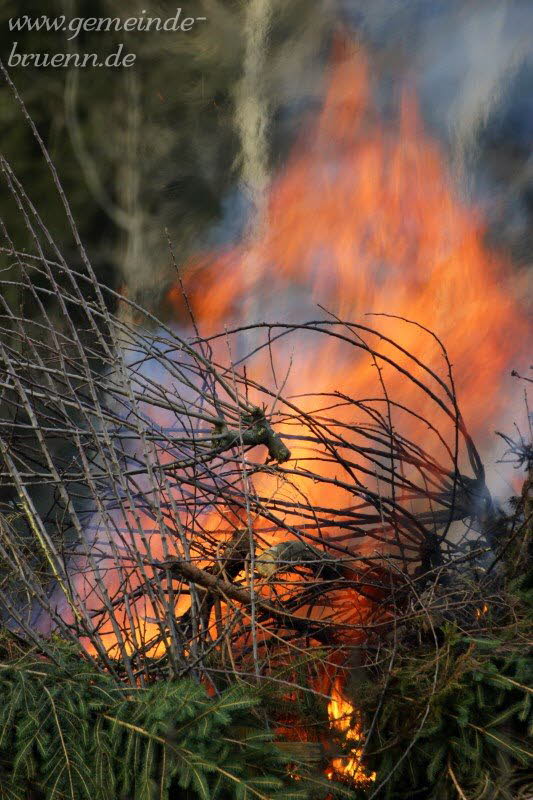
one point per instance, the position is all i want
(471, 63)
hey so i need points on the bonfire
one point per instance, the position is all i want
(273, 565)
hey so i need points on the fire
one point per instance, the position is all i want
(343, 718)
(483, 611)
(365, 218)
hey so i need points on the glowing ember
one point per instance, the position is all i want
(344, 719)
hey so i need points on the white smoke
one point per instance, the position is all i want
(462, 56)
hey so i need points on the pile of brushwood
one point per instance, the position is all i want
(213, 585)
(444, 698)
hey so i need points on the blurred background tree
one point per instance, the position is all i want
(158, 145)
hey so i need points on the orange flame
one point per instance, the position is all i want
(365, 218)
(344, 718)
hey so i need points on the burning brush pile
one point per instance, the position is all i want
(245, 559)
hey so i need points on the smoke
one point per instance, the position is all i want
(252, 108)
(471, 64)
(461, 55)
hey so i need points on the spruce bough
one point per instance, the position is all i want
(68, 731)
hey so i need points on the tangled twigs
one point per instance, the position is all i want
(134, 455)
(159, 465)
